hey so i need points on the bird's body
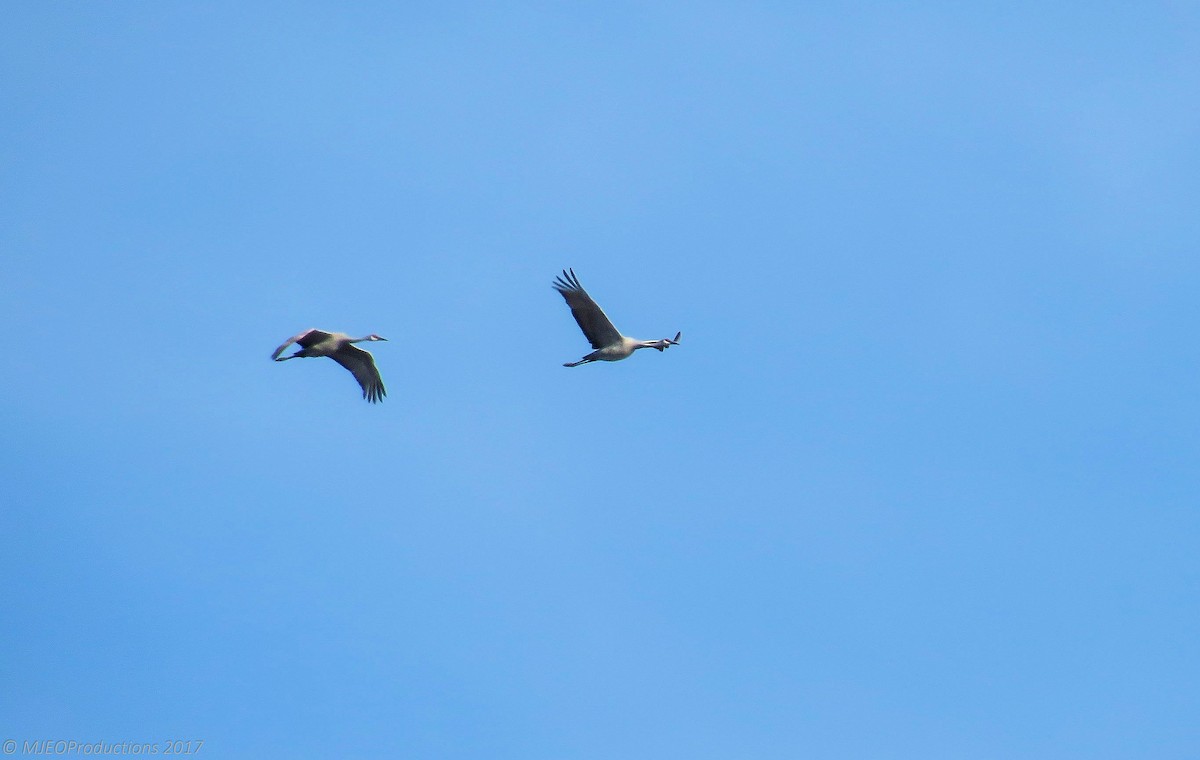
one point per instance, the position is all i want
(610, 344)
(340, 348)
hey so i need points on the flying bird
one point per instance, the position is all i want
(337, 346)
(610, 345)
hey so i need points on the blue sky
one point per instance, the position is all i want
(920, 482)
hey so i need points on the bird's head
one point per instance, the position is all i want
(662, 345)
(374, 337)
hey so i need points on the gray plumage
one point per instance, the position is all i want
(610, 344)
(337, 346)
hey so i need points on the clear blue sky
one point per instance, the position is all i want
(921, 481)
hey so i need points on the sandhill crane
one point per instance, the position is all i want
(610, 345)
(337, 346)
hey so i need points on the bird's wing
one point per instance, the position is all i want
(362, 365)
(305, 339)
(591, 318)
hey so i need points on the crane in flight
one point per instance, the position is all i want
(610, 344)
(338, 346)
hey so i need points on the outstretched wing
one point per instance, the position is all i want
(591, 318)
(362, 365)
(305, 339)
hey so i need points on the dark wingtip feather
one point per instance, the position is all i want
(374, 393)
(563, 283)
